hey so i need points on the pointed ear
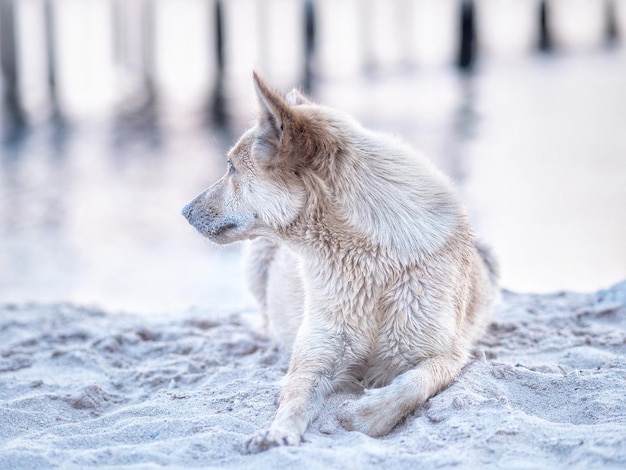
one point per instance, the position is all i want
(295, 98)
(274, 109)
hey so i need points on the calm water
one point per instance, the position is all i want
(90, 211)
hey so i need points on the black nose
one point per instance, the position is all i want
(187, 211)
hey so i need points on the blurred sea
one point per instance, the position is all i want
(90, 202)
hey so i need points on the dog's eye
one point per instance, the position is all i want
(231, 167)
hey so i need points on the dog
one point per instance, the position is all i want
(363, 259)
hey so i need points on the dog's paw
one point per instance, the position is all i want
(369, 415)
(267, 438)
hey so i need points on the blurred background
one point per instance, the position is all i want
(115, 113)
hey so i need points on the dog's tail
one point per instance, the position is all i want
(490, 260)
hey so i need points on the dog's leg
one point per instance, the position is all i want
(311, 376)
(381, 409)
(259, 257)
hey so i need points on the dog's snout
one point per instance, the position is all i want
(187, 211)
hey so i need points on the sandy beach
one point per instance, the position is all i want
(81, 387)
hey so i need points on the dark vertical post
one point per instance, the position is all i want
(309, 44)
(467, 49)
(51, 70)
(147, 49)
(545, 39)
(219, 37)
(137, 119)
(9, 64)
(217, 111)
(612, 31)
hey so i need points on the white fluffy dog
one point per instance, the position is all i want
(363, 261)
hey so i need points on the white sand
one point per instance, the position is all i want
(83, 388)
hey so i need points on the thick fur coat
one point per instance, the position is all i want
(363, 261)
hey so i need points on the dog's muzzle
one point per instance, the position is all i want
(187, 211)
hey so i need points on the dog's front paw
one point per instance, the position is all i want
(268, 438)
(369, 415)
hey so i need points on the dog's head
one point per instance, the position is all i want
(263, 190)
